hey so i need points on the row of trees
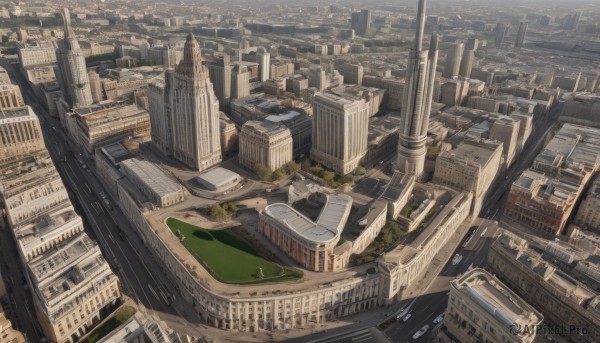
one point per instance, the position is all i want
(221, 212)
(388, 236)
(266, 174)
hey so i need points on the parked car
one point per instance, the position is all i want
(438, 319)
(406, 318)
(421, 332)
(456, 259)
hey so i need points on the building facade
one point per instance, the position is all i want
(194, 111)
(265, 143)
(309, 243)
(10, 96)
(481, 308)
(20, 133)
(453, 59)
(471, 167)
(340, 130)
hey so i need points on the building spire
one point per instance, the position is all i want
(191, 64)
(420, 25)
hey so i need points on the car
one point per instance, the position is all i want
(421, 332)
(438, 319)
(484, 231)
(406, 318)
(456, 259)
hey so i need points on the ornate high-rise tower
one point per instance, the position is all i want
(192, 110)
(73, 76)
(416, 101)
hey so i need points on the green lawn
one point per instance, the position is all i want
(227, 258)
(120, 317)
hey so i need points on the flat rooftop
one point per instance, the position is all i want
(23, 112)
(151, 176)
(328, 226)
(496, 299)
(218, 176)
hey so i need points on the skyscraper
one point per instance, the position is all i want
(220, 76)
(501, 30)
(264, 63)
(193, 110)
(73, 77)
(468, 59)
(521, 34)
(416, 100)
(453, 58)
(361, 22)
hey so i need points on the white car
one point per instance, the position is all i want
(421, 332)
(456, 259)
(406, 318)
(438, 319)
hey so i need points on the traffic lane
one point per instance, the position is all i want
(425, 310)
(130, 270)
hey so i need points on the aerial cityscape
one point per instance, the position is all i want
(199, 171)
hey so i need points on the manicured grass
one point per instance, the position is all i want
(120, 317)
(227, 258)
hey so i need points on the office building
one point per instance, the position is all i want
(416, 100)
(193, 111)
(521, 34)
(501, 31)
(481, 308)
(300, 125)
(353, 73)
(340, 130)
(20, 133)
(544, 196)
(264, 63)
(506, 130)
(220, 76)
(265, 143)
(73, 79)
(455, 92)
(160, 124)
(472, 167)
(240, 82)
(361, 22)
(107, 122)
(468, 58)
(10, 96)
(453, 59)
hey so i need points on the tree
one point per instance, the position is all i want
(360, 170)
(278, 174)
(317, 170)
(217, 213)
(291, 167)
(264, 173)
(328, 177)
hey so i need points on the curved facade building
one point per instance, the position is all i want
(309, 243)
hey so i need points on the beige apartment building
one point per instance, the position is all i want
(265, 143)
(20, 133)
(10, 96)
(482, 309)
(340, 130)
(588, 214)
(107, 122)
(472, 166)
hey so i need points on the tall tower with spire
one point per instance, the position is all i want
(73, 76)
(192, 109)
(416, 101)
